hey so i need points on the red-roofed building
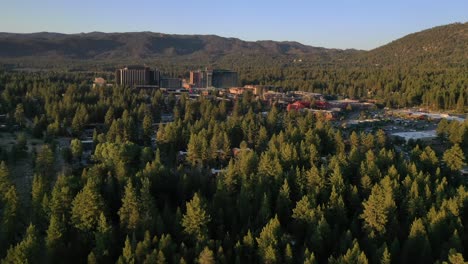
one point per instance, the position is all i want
(322, 105)
(298, 105)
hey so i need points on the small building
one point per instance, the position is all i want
(100, 82)
(181, 156)
(325, 114)
(416, 135)
(298, 105)
(216, 171)
(322, 105)
(236, 90)
(271, 95)
(464, 172)
(166, 118)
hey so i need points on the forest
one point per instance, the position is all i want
(296, 188)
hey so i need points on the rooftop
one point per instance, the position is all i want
(428, 134)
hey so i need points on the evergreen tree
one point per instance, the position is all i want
(454, 158)
(103, 237)
(129, 213)
(206, 256)
(195, 220)
(127, 256)
(76, 148)
(87, 207)
(417, 247)
(269, 240)
(26, 251)
(55, 240)
(378, 210)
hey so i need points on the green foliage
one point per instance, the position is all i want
(454, 158)
(378, 210)
(87, 207)
(269, 240)
(76, 148)
(129, 213)
(206, 256)
(295, 188)
(26, 251)
(195, 220)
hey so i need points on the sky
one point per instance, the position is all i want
(359, 24)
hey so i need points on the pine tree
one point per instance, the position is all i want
(195, 220)
(80, 119)
(19, 115)
(386, 257)
(206, 256)
(148, 207)
(127, 256)
(76, 148)
(44, 162)
(454, 158)
(4, 178)
(103, 237)
(61, 200)
(160, 258)
(9, 207)
(38, 191)
(148, 126)
(461, 104)
(417, 247)
(109, 117)
(87, 207)
(269, 240)
(288, 254)
(92, 258)
(377, 210)
(26, 251)
(55, 240)
(130, 211)
(283, 204)
(309, 257)
(355, 255)
(455, 257)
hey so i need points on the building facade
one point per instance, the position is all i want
(170, 83)
(137, 75)
(213, 78)
(224, 79)
(196, 79)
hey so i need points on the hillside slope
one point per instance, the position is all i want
(144, 45)
(443, 45)
(440, 46)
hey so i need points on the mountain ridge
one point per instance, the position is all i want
(439, 45)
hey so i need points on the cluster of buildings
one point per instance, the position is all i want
(226, 83)
(144, 77)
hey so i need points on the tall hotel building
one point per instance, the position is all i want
(213, 78)
(201, 79)
(196, 78)
(223, 78)
(136, 76)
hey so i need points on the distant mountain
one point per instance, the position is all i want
(139, 45)
(440, 45)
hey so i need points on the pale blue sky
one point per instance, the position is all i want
(364, 24)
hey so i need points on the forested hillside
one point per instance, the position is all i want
(287, 187)
(146, 45)
(439, 46)
(435, 47)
